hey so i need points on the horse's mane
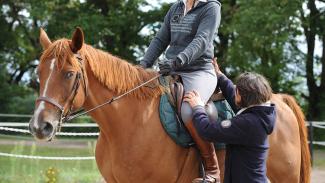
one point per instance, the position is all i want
(114, 73)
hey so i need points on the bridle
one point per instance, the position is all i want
(74, 91)
(70, 114)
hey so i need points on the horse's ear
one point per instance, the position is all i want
(77, 40)
(44, 39)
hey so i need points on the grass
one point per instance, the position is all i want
(14, 170)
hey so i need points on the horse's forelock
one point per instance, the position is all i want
(60, 50)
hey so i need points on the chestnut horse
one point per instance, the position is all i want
(132, 145)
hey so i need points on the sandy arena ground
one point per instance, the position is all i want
(318, 175)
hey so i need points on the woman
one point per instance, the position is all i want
(246, 135)
(189, 29)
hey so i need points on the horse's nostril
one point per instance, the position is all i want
(46, 128)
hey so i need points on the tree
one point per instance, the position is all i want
(265, 36)
(19, 42)
(110, 25)
(313, 28)
(254, 36)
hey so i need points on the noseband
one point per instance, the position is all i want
(74, 91)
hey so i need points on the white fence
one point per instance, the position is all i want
(7, 126)
(21, 127)
(311, 126)
(10, 126)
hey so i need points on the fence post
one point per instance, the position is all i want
(311, 141)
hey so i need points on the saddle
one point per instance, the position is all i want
(177, 93)
(170, 109)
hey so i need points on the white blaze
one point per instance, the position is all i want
(47, 80)
(41, 106)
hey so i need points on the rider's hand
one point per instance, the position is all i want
(177, 63)
(193, 98)
(165, 67)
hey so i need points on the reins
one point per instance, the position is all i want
(80, 113)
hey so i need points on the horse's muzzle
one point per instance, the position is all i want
(42, 130)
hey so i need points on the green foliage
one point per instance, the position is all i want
(260, 31)
(14, 97)
(270, 37)
(109, 25)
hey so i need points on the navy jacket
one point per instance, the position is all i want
(245, 135)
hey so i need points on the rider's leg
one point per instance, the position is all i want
(204, 82)
(208, 155)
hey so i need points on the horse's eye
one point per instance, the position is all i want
(68, 75)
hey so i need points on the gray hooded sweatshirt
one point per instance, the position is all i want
(190, 37)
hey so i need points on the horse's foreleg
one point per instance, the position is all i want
(101, 155)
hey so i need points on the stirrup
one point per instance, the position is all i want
(207, 179)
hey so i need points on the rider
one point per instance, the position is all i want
(189, 29)
(246, 135)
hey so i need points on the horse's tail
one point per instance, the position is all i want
(305, 167)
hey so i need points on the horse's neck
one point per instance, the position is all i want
(119, 117)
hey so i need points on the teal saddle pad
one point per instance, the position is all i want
(177, 131)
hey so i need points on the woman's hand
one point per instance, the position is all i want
(216, 67)
(193, 98)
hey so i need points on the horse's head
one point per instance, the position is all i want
(63, 84)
